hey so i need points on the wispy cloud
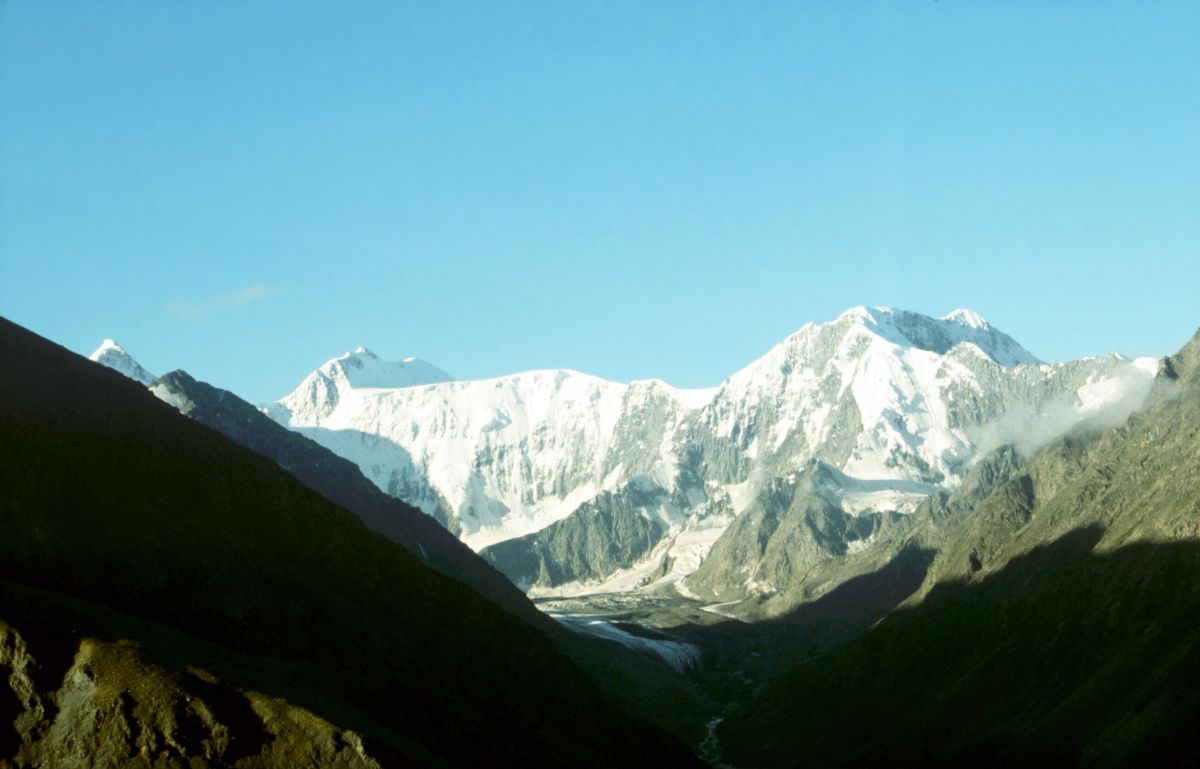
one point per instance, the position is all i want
(195, 309)
(1030, 428)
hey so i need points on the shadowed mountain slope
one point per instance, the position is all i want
(638, 681)
(1056, 626)
(160, 531)
(340, 481)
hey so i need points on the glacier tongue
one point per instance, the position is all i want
(891, 400)
(110, 354)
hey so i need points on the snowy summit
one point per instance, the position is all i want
(890, 399)
(321, 391)
(110, 354)
(940, 335)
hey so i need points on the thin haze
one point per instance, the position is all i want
(631, 189)
(1028, 428)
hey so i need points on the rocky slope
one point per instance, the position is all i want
(158, 531)
(607, 533)
(106, 706)
(1055, 625)
(898, 404)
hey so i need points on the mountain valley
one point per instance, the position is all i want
(209, 599)
(764, 569)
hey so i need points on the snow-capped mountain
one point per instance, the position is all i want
(110, 354)
(321, 392)
(580, 484)
(495, 458)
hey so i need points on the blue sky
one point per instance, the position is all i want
(245, 190)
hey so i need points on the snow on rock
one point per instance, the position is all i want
(319, 394)
(893, 400)
(966, 318)
(503, 457)
(110, 354)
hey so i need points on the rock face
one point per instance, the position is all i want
(794, 524)
(607, 533)
(1056, 624)
(897, 403)
(110, 708)
(1135, 483)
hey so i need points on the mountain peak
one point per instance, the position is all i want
(321, 391)
(112, 355)
(363, 368)
(967, 318)
(860, 312)
(938, 335)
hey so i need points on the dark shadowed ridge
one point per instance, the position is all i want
(638, 681)
(340, 481)
(1065, 658)
(126, 522)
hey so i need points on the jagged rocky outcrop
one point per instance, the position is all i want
(611, 532)
(108, 707)
(794, 525)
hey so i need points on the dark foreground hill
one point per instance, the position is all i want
(170, 597)
(639, 682)
(1057, 627)
(340, 481)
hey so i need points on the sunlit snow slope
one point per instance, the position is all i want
(110, 354)
(592, 484)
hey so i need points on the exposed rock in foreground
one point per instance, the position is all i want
(111, 708)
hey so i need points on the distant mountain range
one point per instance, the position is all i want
(571, 484)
